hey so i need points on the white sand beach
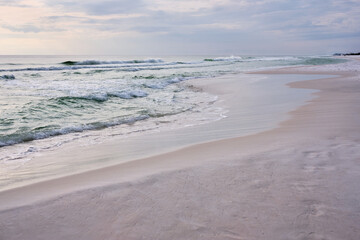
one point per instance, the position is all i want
(297, 181)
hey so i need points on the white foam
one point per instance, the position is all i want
(129, 94)
(285, 58)
(253, 59)
(97, 62)
(231, 58)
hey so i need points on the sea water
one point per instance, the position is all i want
(48, 101)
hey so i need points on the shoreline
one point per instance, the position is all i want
(292, 182)
(222, 87)
(252, 103)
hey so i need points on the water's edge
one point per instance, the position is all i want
(70, 159)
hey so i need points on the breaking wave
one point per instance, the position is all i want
(96, 62)
(102, 97)
(42, 133)
(250, 59)
(224, 59)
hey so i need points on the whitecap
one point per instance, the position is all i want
(129, 94)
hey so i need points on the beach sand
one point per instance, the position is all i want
(298, 181)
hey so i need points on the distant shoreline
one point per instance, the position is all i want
(347, 54)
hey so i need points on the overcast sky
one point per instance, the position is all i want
(179, 27)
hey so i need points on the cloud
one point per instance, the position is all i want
(25, 28)
(29, 28)
(96, 7)
(14, 3)
(238, 23)
(236, 15)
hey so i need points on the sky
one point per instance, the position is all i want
(179, 27)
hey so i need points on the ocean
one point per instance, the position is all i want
(48, 101)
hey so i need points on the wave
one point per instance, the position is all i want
(165, 83)
(72, 99)
(102, 97)
(128, 94)
(224, 59)
(39, 69)
(76, 67)
(321, 61)
(123, 68)
(96, 62)
(284, 58)
(7, 77)
(53, 68)
(37, 135)
(250, 59)
(46, 131)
